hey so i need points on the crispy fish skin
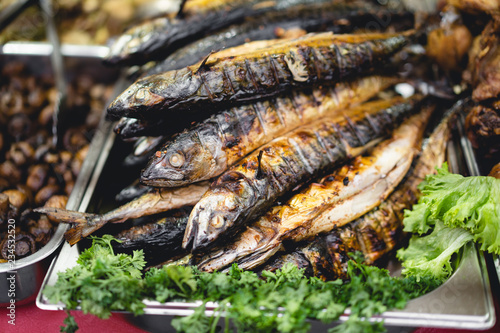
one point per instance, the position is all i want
(374, 234)
(147, 204)
(366, 181)
(313, 59)
(338, 17)
(209, 148)
(253, 184)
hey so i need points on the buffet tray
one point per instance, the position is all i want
(463, 302)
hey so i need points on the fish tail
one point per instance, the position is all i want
(85, 223)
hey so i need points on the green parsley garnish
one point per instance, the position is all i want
(283, 301)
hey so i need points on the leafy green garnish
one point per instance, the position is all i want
(282, 301)
(452, 211)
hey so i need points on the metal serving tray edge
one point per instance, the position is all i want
(463, 302)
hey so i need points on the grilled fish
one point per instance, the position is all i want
(323, 58)
(209, 148)
(147, 204)
(249, 187)
(335, 200)
(334, 16)
(160, 239)
(376, 233)
(155, 38)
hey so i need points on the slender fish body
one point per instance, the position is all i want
(323, 16)
(249, 187)
(323, 58)
(375, 234)
(210, 147)
(333, 201)
(147, 204)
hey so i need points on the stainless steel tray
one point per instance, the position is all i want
(464, 301)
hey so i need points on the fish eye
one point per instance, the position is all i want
(142, 94)
(176, 160)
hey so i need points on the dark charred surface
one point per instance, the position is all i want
(328, 16)
(160, 240)
(252, 185)
(230, 135)
(239, 79)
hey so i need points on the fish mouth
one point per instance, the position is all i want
(156, 175)
(115, 110)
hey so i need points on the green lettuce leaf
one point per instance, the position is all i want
(452, 211)
(430, 255)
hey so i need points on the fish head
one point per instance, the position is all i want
(213, 216)
(139, 97)
(184, 160)
(153, 97)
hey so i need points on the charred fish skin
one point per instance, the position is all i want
(209, 148)
(327, 203)
(253, 184)
(314, 59)
(380, 231)
(160, 239)
(325, 257)
(323, 16)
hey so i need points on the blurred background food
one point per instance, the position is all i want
(33, 172)
(87, 22)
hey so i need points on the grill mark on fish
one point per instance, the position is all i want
(380, 231)
(298, 218)
(280, 157)
(260, 122)
(185, 90)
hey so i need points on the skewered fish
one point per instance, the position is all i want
(376, 233)
(209, 148)
(253, 184)
(147, 204)
(322, 58)
(332, 202)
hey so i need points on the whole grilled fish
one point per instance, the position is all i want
(249, 187)
(160, 239)
(323, 58)
(209, 148)
(374, 234)
(147, 204)
(155, 38)
(332, 202)
(335, 16)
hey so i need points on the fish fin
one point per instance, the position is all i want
(78, 231)
(73, 235)
(180, 13)
(204, 61)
